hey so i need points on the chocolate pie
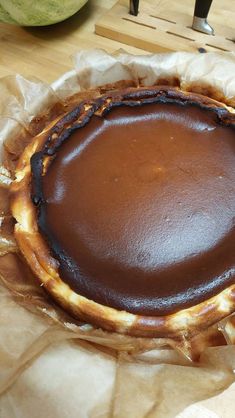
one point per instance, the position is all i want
(125, 211)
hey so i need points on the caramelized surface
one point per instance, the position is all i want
(139, 208)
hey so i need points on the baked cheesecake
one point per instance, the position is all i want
(125, 211)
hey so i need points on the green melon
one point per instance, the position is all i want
(38, 12)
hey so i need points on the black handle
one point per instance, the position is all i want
(202, 8)
(134, 7)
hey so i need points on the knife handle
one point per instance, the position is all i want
(201, 11)
(202, 8)
(134, 7)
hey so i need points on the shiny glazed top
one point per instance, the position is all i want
(139, 208)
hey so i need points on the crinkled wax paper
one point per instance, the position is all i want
(54, 366)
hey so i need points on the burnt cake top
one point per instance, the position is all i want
(137, 202)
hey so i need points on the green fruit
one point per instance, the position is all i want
(38, 12)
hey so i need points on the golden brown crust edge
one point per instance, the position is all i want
(187, 322)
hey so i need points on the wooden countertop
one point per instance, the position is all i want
(46, 52)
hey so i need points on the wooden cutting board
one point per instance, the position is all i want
(165, 25)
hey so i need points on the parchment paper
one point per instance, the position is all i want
(54, 366)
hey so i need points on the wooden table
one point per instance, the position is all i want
(46, 52)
